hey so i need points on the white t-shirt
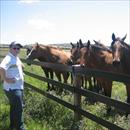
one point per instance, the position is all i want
(13, 67)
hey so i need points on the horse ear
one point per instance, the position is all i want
(80, 43)
(113, 37)
(95, 42)
(124, 37)
(88, 44)
(72, 45)
(37, 45)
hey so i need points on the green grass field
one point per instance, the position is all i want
(44, 114)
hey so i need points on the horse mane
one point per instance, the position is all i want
(100, 47)
(54, 49)
(48, 46)
(125, 44)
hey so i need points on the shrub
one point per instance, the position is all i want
(45, 110)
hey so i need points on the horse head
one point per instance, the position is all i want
(79, 51)
(84, 53)
(32, 53)
(75, 53)
(28, 50)
(117, 47)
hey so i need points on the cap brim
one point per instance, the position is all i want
(19, 45)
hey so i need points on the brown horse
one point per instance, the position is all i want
(53, 55)
(48, 72)
(98, 57)
(121, 60)
(75, 52)
(75, 56)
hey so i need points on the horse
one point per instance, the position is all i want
(52, 55)
(121, 60)
(97, 56)
(87, 81)
(75, 57)
(48, 72)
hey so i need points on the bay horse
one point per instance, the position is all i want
(53, 55)
(87, 81)
(48, 72)
(121, 60)
(98, 56)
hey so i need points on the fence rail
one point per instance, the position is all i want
(87, 93)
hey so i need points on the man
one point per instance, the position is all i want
(12, 74)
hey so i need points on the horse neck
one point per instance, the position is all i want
(41, 56)
(92, 58)
(100, 59)
(126, 45)
(125, 60)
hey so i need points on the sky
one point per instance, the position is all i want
(53, 22)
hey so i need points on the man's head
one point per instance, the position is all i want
(15, 47)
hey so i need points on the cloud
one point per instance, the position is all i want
(40, 24)
(29, 1)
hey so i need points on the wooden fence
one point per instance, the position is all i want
(78, 91)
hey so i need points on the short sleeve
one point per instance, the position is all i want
(5, 63)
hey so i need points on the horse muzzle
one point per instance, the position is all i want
(116, 63)
(28, 61)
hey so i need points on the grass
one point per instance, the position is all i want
(119, 91)
(35, 125)
(4, 110)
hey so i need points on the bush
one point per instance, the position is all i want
(45, 110)
(4, 110)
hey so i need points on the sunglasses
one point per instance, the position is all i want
(15, 48)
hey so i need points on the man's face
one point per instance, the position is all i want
(15, 49)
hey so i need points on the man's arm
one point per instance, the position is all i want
(3, 76)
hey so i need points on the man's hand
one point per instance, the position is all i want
(10, 80)
(3, 77)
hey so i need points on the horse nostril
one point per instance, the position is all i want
(28, 61)
(116, 63)
(82, 65)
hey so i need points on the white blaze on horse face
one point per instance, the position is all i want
(117, 52)
(29, 54)
(116, 56)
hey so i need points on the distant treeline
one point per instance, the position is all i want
(4, 45)
(61, 45)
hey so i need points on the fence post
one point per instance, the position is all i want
(77, 82)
